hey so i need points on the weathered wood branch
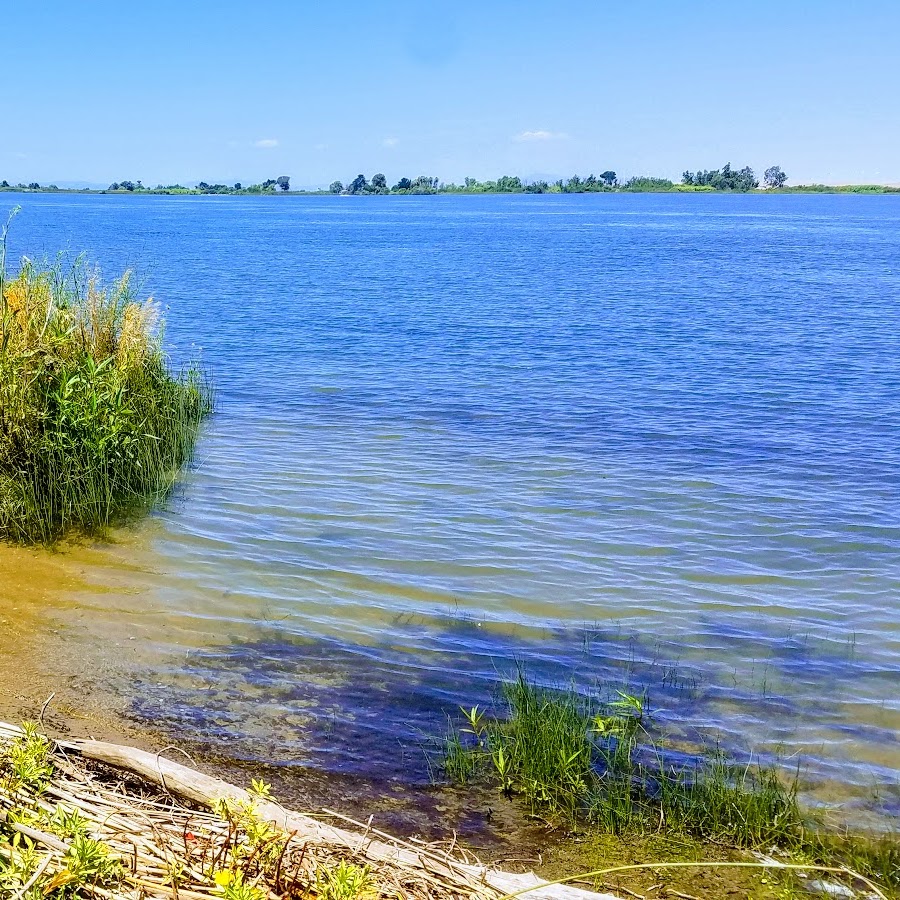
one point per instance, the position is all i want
(206, 790)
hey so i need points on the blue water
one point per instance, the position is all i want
(637, 438)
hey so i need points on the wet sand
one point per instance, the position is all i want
(45, 648)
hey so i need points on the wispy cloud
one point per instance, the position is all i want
(530, 136)
(266, 143)
(390, 142)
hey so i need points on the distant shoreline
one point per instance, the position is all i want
(868, 189)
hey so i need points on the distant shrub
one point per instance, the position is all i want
(647, 183)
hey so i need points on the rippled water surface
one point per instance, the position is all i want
(652, 439)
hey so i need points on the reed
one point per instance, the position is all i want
(94, 425)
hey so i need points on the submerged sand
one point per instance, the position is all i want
(46, 649)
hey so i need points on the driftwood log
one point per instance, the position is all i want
(180, 780)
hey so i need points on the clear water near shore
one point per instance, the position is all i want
(650, 438)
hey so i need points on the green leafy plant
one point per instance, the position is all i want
(25, 762)
(67, 824)
(90, 861)
(503, 766)
(475, 723)
(256, 841)
(345, 881)
(233, 886)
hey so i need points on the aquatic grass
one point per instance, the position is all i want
(94, 426)
(601, 765)
(545, 747)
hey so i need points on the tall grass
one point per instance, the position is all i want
(600, 764)
(94, 425)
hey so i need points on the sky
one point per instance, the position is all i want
(176, 92)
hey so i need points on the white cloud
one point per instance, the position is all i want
(526, 136)
(390, 142)
(266, 143)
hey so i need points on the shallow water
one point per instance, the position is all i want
(644, 439)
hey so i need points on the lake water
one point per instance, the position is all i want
(630, 439)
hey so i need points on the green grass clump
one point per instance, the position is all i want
(93, 424)
(600, 764)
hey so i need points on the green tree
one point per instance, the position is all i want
(773, 177)
(335, 187)
(237, 186)
(379, 184)
(509, 184)
(404, 184)
(358, 185)
(424, 184)
(609, 177)
(724, 179)
(283, 182)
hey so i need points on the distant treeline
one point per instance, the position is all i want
(271, 186)
(703, 180)
(725, 179)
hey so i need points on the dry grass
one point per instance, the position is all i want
(73, 829)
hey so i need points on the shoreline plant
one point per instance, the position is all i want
(94, 425)
(601, 766)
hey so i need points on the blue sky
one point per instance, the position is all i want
(98, 90)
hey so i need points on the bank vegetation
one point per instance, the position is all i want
(94, 424)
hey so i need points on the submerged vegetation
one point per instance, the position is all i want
(599, 765)
(93, 424)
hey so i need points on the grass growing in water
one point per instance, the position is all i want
(600, 764)
(93, 423)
